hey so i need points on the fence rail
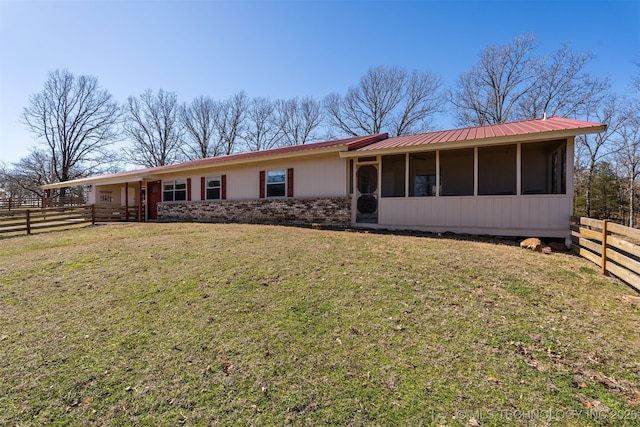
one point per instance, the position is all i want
(20, 203)
(106, 213)
(19, 221)
(613, 247)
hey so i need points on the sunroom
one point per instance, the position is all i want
(511, 183)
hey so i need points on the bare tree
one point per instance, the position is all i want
(198, 120)
(386, 99)
(25, 177)
(628, 148)
(263, 130)
(628, 156)
(511, 83)
(591, 149)
(33, 171)
(420, 103)
(490, 91)
(153, 124)
(230, 122)
(562, 87)
(299, 119)
(76, 120)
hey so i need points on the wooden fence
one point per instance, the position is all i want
(32, 220)
(613, 247)
(106, 213)
(21, 203)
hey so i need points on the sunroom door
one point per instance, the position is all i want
(367, 194)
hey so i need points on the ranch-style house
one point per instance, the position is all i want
(512, 179)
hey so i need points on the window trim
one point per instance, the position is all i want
(174, 190)
(284, 183)
(208, 187)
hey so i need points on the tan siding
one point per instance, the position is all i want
(117, 194)
(132, 194)
(539, 215)
(317, 176)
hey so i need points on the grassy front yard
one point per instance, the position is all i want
(202, 324)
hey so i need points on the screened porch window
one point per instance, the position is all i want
(422, 174)
(174, 191)
(544, 168)
(497, 170)
(456, 171)
(393, 175)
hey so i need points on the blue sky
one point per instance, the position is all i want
(282, 49)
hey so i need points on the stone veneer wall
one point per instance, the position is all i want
(329, 211)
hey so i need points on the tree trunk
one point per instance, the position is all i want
(632, 194)
(588, 194)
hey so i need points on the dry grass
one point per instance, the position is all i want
(145, 324)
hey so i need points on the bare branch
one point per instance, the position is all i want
(76, 120)
(154, 127)
(386, 99)
(490, 91)
(199, 120)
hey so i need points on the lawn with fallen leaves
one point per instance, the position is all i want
(210, 324)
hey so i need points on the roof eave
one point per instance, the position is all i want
(157, 173)
(249, 160)
(92, 180)
(499, 140)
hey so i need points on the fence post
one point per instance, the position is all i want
(28, 221)
(93, 214)
(604, 246)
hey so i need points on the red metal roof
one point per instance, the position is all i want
(526, 127)
(367, 143)
(349, 143)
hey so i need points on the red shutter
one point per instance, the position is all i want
(202, 188)
(262, 184)
(188, 189)
(223, 184)
(290, 182)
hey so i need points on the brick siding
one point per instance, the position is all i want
(328, 211)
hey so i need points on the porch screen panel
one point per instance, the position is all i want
(422, 174)
(544, 168)
(456, 172)
(497, 170)
(393, 175)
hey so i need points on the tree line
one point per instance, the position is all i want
(77, 123)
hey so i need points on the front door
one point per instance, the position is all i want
(367, 201)
(154, 196)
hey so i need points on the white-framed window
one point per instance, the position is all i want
(277, 183)
(213, 188)
(105, 196)
(174, 191)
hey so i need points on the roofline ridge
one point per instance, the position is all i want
(367, 140)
